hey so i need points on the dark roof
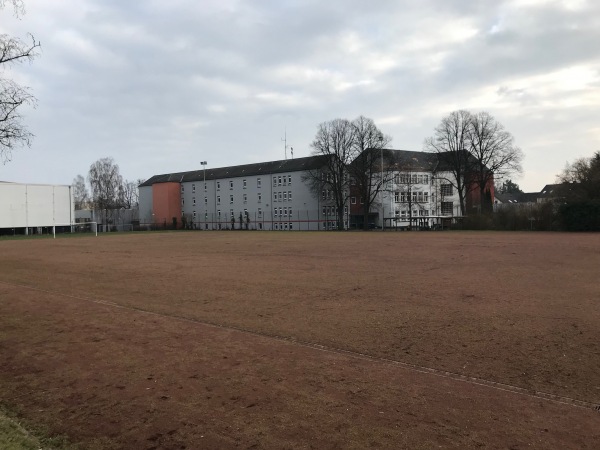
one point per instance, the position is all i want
(523, 197)
(413, 160)
(247, 170)
(551, 189)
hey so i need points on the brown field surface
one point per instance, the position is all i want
(304, 340)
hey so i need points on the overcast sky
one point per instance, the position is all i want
(162, 85)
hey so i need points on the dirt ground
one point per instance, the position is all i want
(304, 340)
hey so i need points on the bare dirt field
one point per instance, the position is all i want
(304, 340)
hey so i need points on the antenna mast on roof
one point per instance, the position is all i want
(285, 145)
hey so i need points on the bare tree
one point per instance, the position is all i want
(81, 195)
(13, 96)
(494, 154)
(334, 139)
(129, 194)
(370, 168)
(450, 142)
(581, 179)
(106, 183)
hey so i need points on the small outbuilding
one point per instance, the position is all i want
(35, 208)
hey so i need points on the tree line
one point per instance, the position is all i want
(474, 147)
(108, 189)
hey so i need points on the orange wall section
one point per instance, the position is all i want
(166, 202)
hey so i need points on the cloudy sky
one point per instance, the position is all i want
(162, 85)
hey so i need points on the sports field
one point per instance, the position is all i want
(304, 340)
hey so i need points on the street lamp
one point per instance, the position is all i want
(203, 164)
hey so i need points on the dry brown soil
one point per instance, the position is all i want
(304, 340)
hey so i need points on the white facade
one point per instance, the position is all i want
(420, 198)
(35, 205)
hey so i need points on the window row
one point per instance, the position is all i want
(232, 184)
(282, 180)
(283, 212)
(332, 210)
(282, 196)
(283, 226)
(414, 197)
(408, 178)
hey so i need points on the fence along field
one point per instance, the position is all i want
(499, 307)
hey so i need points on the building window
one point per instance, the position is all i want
(280, 211)
(290, 225)
(414, 197)
(205, 201)
(290, 196)
(244, 184)
(396, 197)
(426, 196)
(219, 214)
(259, 197)
(403, 197)
(353, 200)
(245, 198)
(193, 188)
(285, 226)
(280, 197)
(218, 185)
(324, 210)
(218, 199)
(182, 188)
(258, 183)
(274, 181)
(231, 216)
(290, 212)
(425, 179)
(194, 201)
(276, 227)
(284, 212)
(284, 196)
(204, 186)
(231, 198)
(446, 189)
(284, 180)
(259, 212)
(447, 208)
(289, 180)
(324, 194)
(230, 184)
(278, 181)
(206, 216)
(420, 197)
(194, 215)
(274, 196)
(396, 178)
(275, 212)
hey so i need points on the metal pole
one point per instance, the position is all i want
(382, 206)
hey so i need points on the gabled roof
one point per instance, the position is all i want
(247, 170)
(523, 197)
(412, 160)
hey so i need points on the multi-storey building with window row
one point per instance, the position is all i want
(272, 195)
(279, 195)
